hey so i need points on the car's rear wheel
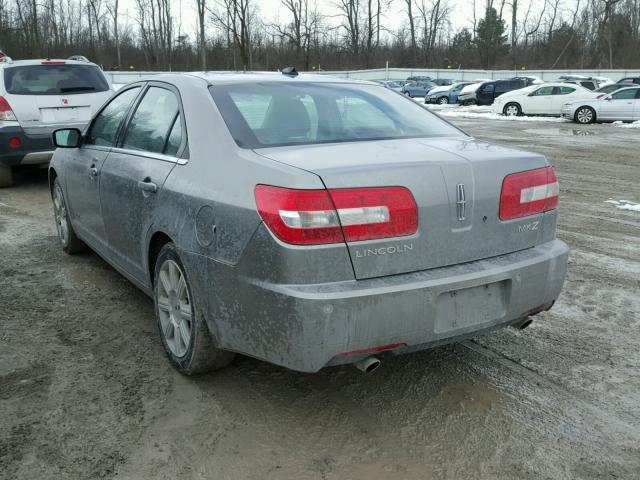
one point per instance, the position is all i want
(512, 110)
(443, 100)
(183, 330)
(585, 115)
(67, 235)
(6, 176)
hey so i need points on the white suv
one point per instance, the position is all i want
(39, 96)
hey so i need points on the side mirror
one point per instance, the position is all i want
(608, 99)
(67, 138)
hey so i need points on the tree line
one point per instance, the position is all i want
(238, 34)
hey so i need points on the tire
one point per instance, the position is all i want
(183, 330)
(512, 110)
(66, 234)
(443, 101)
(585, 115)
(6, 176)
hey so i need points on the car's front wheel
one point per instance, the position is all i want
(443, 101)
(512, 110)
(183, 330)
(6, 176)
(585, 115)
(66, 234)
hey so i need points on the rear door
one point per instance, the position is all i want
(485, 94)
(82, 169)
(151, 145)
(54, 94)
(562, 95)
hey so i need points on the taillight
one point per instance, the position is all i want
(312, 217)
(53, 62)
(528, 193)
(6, 114)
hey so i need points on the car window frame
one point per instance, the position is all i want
(85, 134)
(182, 155)
(637, 89)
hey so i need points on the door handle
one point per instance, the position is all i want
(147, 186)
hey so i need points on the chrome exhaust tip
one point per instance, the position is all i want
(368, 365)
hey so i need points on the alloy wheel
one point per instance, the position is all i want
(443, 100)
(174, 308)
(60, 214)
(584, 115)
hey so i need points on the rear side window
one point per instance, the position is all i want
(275, 114)
(564, 90)
(54, 80)
(153, 121)
(104, 129)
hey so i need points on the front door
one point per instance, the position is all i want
(134, 173)
(619, 106)
(539, 101)
(83, 169)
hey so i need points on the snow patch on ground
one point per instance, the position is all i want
(625, 204)
(481, 112)
(627, 125)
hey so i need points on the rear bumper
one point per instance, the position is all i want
(33, 149)
(307, 327)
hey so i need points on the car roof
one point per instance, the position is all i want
(222, 78)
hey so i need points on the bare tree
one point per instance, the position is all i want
(201, 7)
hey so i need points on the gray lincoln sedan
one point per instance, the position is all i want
(305, 220)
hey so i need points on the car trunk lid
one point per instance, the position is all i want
(456, 183)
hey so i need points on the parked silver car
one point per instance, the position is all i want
(623, 104)
(305, 220)
(38, 96)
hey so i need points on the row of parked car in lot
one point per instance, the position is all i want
(582, 99)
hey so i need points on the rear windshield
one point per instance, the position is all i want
(276, 114)
(54, 80)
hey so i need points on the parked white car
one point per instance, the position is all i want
(545, 99)
(621, 105)
(38, 97)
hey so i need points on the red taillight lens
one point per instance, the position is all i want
(5, 110)
(528, 193)
(312, 217)
(300, 217)
(14, 142)
(53, 62)
(377, 212)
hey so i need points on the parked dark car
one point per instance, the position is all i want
(489, 91)
(418, 88)
(630, 80)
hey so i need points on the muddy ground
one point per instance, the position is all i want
(85, 390)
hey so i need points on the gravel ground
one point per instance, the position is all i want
(85, 391)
